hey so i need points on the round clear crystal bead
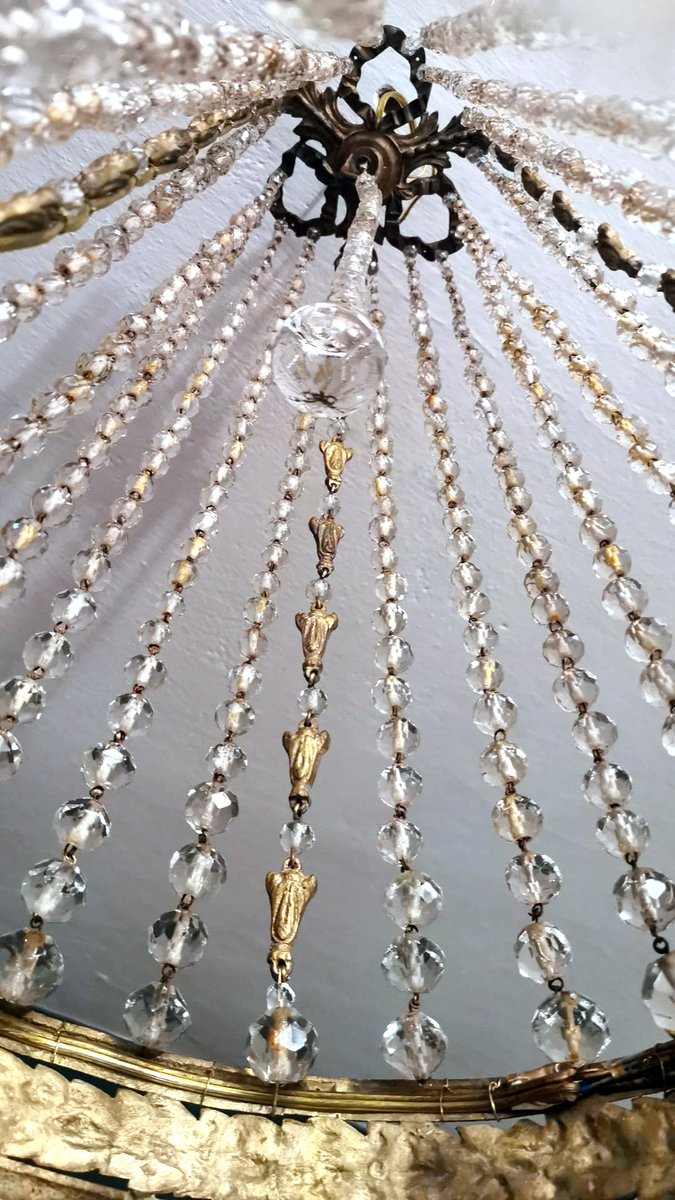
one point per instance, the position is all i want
(533, 878)
(11, 755)
(658, 991)
(31, 966)
(82, 823)
(414, 1045)
(570, 1026)
(399, 785)
(312, 700)
(145, 670)
(12, 581)
(573, 687)
(413, 899)
(413, 964)
(607, 783)
(391, 692)
(282, 1045)
(621, 832)
(131, 713)
(502, 763)
(197, 870)
(156, 1015)
(494, 711)
(515, 817)
(48, 652)
(74, 608)
(542, 952)
(107, 766)
(227, 759)
(296, 837)
(53, 889)
(178, 938)
(21, 699)
(399, 841)
(209, 808)
(645, 899)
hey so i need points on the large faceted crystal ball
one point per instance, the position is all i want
(328, 358)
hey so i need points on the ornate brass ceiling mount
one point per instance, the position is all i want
(400, 143)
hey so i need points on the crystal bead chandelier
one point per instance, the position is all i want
(366, 163)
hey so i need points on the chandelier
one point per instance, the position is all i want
(356, 172)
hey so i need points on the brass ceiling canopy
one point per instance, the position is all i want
(399, 143)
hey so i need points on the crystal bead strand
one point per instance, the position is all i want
(330, 357)
(645, 898)
(647, 125)
(629, 430)
(85, 260)
(496, 23)
(30, 118)
(154, 41)
(647, 640)
(26, 432)
(27, 537)
(55, 888)
(641, 201)
(567, 1025)
(359, 20)
(156, 1014)
(48, 653)
(635, 328)
(414, 1044)
(58, 207)
(282, 1044)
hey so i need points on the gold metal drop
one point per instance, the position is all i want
(305, 747)
(315, 628)
(335, 458)
(327, 535)
(290, 891)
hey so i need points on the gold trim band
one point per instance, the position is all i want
(211, 1085)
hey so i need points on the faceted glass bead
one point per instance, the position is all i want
(658, 990)
(398, 736)
(503, 762)
(623, 832)
(197, 871)
(611, 560)
(234, 716)
(391, 692)
(494, 711)
(542, 952)
(92, 567)
(31, 966)
(413, 964)
(53, 889)
(573, 687)
(645, 899)
(478, 636)
(154, 633)
(48, 652)
(260, 610)
(596, 528)
(607, 783)
(156, 1015)
(82, 823)
(328, 358)
(533, 878)
(399, 841)
(515, 817)
(394, 654)
(131, 713)
(146, 670)
(473, 604)
(389, 618)
(209, 809)
(22, 699)
(657, 682)
(561, 645)
(312, 700)
(550, 606)
(414, 1045)
(282, 1045)
(25, 537)
(11, 755)
(413, 899)
(53, 505)
(12, 581)
(646, 635)
(594, 731)
(623, 596)
(75, 608)
(178, 938)
(399, 785)
(228, 760)
(484, 674)
(245, 680)
(107, 766)
(570, 1026)
(296, 837)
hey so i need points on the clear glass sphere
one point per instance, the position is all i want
(328, 358)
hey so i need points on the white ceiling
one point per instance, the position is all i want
(482, 1002)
